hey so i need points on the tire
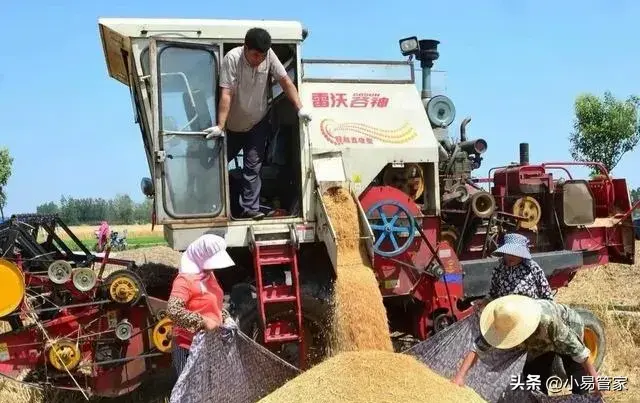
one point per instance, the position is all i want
(594, 336)
(315, 316)
(594, 339)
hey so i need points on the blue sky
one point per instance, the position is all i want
(515, 67)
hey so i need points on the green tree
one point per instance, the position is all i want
(68, 211)
(120, 210)
(604, 129)
(6, 165)
(143, 211)
(123, 208)
(48, 208)
(635, 196)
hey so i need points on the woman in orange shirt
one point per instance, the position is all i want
(195, 303)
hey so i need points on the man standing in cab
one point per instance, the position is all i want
(243, 110)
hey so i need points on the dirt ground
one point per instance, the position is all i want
(607, 290)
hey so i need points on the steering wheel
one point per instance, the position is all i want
(389, 212)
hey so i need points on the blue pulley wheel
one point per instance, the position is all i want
(383, 218)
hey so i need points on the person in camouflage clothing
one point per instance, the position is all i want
(543, 328)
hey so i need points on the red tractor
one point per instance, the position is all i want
(428, 224)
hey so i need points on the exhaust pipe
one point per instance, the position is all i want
(524, 153)
(463, 129)
(428, 54)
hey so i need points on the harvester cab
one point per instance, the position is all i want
(364, 129)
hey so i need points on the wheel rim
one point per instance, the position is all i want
(383, 219)
(13, 285)
(124, 288)
(591, 342)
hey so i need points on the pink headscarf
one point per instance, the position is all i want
(205, 253)
(103, 230)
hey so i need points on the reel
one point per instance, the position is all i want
(483, 204)
(124, 287)
(64, 355)
(161, 335)
(409, 179)
(84, 279)
(13, 287)
(530, 209)
(60, 271)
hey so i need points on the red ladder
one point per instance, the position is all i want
(271, 252)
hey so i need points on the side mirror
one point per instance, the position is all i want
(146, 185)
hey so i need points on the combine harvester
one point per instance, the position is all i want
(431, 225)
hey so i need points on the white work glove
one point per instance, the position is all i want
(214, 131)
(304, 115)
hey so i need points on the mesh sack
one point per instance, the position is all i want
(444, 351)
(229, 370)
(528, 396)
(491, 376)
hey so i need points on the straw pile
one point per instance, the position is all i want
(371, 376)
(359, 318)
(611, 292)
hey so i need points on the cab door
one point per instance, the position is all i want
(188, 174)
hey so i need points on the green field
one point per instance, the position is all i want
(133, 242)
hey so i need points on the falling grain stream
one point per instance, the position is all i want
(363, 367)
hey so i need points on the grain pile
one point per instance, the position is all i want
(371, 376)
(155, 254)
(359, 318)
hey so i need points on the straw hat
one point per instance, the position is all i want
(508, 321)
(515, 245)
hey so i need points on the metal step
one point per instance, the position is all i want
(278, 248)
(274, 260)
(280, 332)
(278, 293)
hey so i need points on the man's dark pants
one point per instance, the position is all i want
(543, 366)
(253, 146)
